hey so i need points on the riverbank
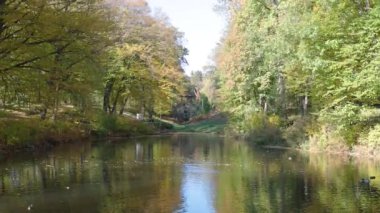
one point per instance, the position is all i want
(359, 152)
(20, 131)
(308, 134)
(294, 137)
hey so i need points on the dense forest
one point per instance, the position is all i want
(67, 61)
(309, 69)
(55, 52)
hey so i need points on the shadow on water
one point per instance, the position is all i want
(185, 173)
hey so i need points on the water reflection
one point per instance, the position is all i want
(185, 173)
(197, 188)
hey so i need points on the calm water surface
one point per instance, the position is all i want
(184, 173)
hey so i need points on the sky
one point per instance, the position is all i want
(202, 26)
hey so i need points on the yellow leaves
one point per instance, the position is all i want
(130, 50)
(147, 58)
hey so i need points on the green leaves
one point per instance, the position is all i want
(322, 55)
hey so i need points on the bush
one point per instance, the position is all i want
(263, 130)
(372, 138)
(18, 133)
(369, 143)
(130, 126)
(14, 133)
(105, 124)
(345, 120)
(254, 121)
(268, 135)
(327, 139)
(296, 134)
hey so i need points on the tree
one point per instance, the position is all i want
(54, 47)
(146, 62)
(311, 58)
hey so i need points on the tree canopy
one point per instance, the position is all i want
(317, 59)
(56, 52)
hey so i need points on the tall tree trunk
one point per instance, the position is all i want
(4, 101)
(2, 8)
(113, 110)
(56, 79)
(282, 95)
(150, 114)
(5, 97)
(107, 94)
(305, 104)
(123, 106)
(265, 106)
(367, 5)
(56, 101)
(43, 113)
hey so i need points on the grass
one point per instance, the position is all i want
(214, 125)
(35, 132)
(4, 114)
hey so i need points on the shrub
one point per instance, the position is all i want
(14, 133)
(254, 121)
(263, 130)
(18, 133)
(274, 120)
(327, 139)
(296, 134)
(105, 124)
(372, 138)
(130, 126)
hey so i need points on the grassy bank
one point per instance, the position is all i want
(20, 131)
(214, 124)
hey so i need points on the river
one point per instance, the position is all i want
(184, 173)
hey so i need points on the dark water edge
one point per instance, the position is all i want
(184, 173)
